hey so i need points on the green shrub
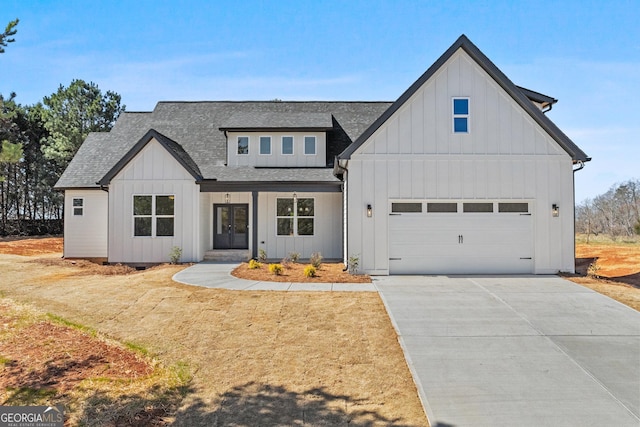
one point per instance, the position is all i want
(316, 259)
(310, 271)
(253, 264)
(276, 269)
(262, 255)
(175, 254)
(294, 256)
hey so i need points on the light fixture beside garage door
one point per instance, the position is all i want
(369, 211)
(555, 210)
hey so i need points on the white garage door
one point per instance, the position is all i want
(460, 238)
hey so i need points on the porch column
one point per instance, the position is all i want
(254, 227)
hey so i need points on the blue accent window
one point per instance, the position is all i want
(461, 115)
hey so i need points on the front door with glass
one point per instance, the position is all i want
(230, 226)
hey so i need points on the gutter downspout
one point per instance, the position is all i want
(580, 167)
(341, 170)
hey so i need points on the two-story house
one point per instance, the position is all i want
(464, 173)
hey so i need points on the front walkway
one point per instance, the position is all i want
(218, 275)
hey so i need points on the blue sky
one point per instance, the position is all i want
(584, 53)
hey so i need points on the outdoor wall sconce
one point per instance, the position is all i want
(226, 198)
(369, 211)
(555, 210)
(295, 197)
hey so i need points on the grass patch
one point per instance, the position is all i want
(49, 360)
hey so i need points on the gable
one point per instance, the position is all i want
(166, 159)
(424, 123)
(474, 58)
(153, 163)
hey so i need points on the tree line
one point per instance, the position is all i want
(616, 212)
(38, 141)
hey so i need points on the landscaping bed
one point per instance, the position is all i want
(294, 272)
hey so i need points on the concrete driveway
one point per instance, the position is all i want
(517, 351)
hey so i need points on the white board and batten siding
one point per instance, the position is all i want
(415, 155)
(86, 230)
(153, 171)
(327, 237)
(276, 158)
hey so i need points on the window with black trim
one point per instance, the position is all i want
(243, 145)
(153, 216)
(460, 115)
(78, 207)
(295, 217)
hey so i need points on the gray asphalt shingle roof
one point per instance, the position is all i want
(278, 120)
(195, 126)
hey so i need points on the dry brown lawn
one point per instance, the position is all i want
(255, 358)
(618, 269)
(294, 272)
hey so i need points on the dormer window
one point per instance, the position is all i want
(265, 145)
(287, 145)
(309, 145)
(243, 145)
(460, 115)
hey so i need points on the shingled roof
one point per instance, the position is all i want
(192, 132)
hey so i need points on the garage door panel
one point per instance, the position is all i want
(460, 243)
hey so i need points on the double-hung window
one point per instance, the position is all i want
(460, 115)
(295, 217)
(287, 145)
(78, 207)
(153, 216)
(265, 145)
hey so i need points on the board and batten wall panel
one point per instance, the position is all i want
(85, 236)
(327, 238)
(505, 156)
(153, 172)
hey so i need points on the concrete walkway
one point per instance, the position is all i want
(517, 351)
(218, 275)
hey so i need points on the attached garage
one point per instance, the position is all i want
(460, 237)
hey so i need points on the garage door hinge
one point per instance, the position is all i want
(395, 259)
(526, 258)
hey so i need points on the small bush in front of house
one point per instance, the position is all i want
(253, 264)
(310, 271)
(352, 264)
(285, 261)
(262, 255)
(276, 269)
(294, 256)
(316, 259)
(175, 254)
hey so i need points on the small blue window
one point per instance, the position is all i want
(460, 106)
(461, 115)
(460, 125)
